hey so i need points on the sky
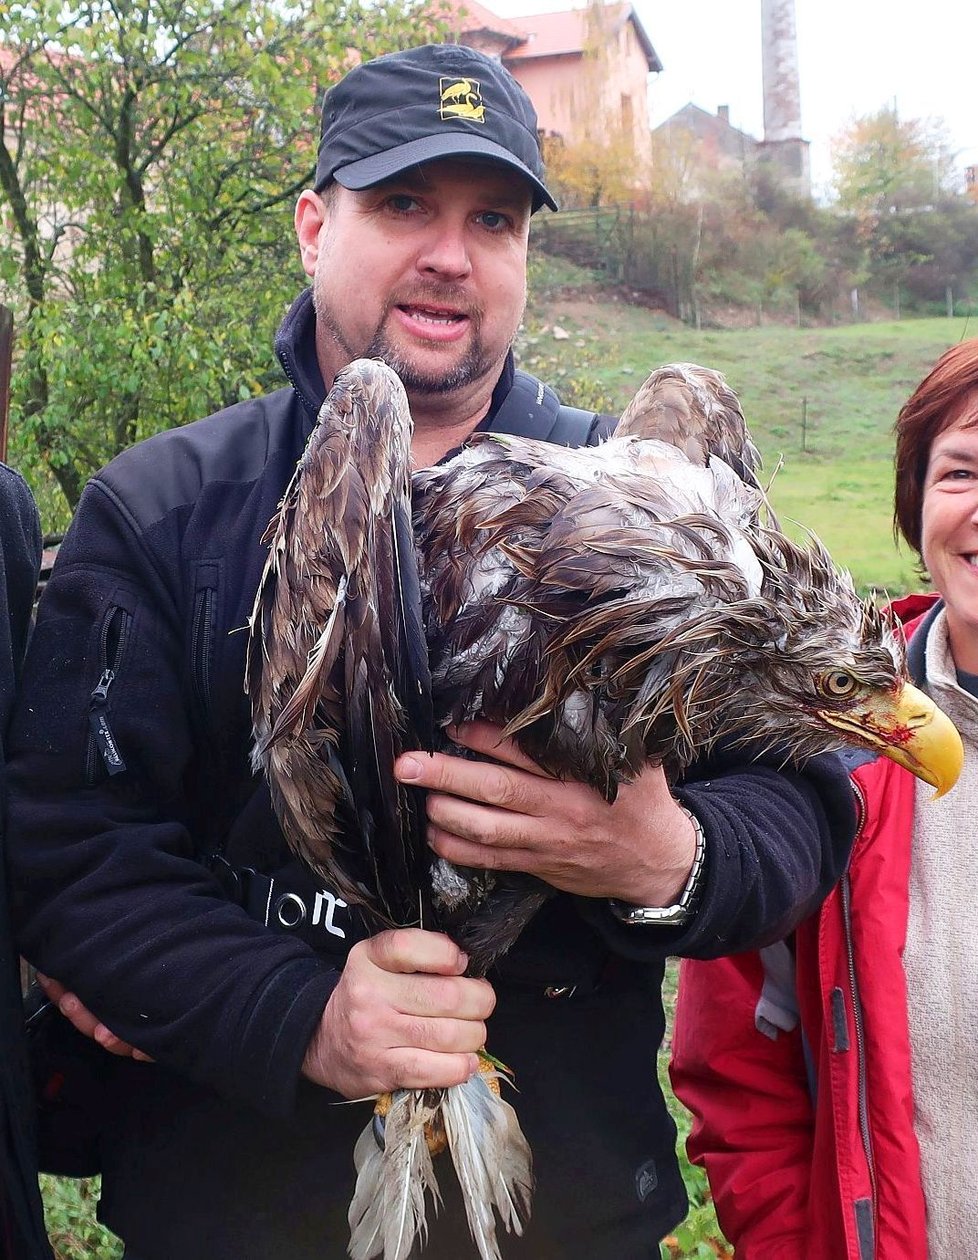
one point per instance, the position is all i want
(855, 56)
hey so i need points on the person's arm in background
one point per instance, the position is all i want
(753, 1118)
(22, 1234)
(20, 562)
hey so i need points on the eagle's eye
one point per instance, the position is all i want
(838, 684)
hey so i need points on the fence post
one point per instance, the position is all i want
(6, 358)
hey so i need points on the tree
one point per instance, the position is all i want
(883, 164)
(150, 155)
(898, 191)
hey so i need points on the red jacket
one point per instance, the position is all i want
(808, 1137)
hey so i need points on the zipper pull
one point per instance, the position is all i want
(99, 722)
(101, 693)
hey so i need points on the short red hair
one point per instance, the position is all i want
(922, 417)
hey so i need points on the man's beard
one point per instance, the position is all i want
(473, 366)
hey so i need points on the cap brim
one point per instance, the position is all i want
(374, 170)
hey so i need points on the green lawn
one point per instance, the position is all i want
(69, 1213)
(820, 400)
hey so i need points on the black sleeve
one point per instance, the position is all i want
(110, 897)
(777, 841)
(20, 560)
(21, 1220)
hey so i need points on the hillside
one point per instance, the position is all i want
(823, 400)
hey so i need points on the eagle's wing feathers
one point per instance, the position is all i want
(694, 409)
(337, 666)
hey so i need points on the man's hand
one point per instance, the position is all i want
(403, 1016)
(515, 817)
(75, 1011)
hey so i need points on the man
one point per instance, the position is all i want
(131, 768)
(21, 1222)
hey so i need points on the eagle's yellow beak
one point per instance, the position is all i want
(911, 730)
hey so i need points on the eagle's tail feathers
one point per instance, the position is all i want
(492, 1160)
(387, 1213)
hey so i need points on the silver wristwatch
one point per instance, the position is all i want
(682, 911)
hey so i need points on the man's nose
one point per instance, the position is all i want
(445, 251)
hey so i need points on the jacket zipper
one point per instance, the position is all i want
(857, 1012)
(101, 740)
(201, 649)
(290, 377)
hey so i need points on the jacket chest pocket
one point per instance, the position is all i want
(103, 755)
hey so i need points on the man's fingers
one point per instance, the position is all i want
(486, 855)
(107, 1039)
(434, 998)
(407, 950)
(485, 738)
(53, 990)
(77, 1013)
(442, 1036)
(481, 782)
(426, 1069)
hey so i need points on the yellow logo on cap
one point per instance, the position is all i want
(461, 98)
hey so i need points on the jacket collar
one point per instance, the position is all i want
(917, 613)
(295, 345)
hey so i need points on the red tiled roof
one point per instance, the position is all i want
(468, 16)
(553, 34)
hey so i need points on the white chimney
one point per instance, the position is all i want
(782, 94)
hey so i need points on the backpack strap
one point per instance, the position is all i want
(532, 409)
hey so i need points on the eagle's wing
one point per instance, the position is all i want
(694, 409)
(337, 661)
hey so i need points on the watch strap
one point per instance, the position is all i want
(682, 910)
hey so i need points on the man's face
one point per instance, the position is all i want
(427, 272)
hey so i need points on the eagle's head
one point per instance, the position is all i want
(837, 675)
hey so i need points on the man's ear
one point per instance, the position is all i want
(310, 214)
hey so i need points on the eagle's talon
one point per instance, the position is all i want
(381, 1107)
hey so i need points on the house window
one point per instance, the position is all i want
(627, 117)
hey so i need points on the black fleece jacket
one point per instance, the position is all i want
(130, 761)
(21, 1222)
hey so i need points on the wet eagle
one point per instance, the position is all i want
(606, 606)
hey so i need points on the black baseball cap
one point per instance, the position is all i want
(437, 101)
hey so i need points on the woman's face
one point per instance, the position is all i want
(949, 527)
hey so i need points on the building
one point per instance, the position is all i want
(694, 136)
(586, 70)
(715, 142)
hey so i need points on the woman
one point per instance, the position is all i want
(834, 1078)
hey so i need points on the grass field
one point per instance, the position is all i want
(822, 400)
